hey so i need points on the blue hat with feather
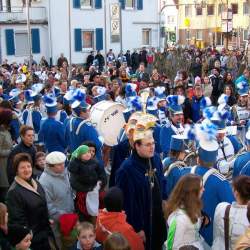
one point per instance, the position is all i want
(152, 106)
(130, 90)
(175, 103)
(243, 88)
(206, 136)
(50, 103)
(79, 101)
(160, 93)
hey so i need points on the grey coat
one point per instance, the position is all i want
(5, 148)
(58, 192)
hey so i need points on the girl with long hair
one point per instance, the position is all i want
(183, 213)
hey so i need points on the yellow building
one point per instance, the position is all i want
(204, 22)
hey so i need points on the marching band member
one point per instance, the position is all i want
(79, 128)
(161, 105)
(173, 163)
(242, 162)
(174, 126)
(217, 188)
(61, 114)
(241, 111)
(32, 116)
(52, 132)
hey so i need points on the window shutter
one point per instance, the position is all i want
(140, 4)
(78, 40)
(98, 4)
(122, 2)
(76, 4)
(10, 43)
(35, 41)
(99, 38)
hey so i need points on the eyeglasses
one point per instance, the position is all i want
(148, 145)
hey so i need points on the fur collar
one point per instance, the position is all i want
(26, 185)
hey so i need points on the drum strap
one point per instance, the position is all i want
(206, 175)
(80, 125)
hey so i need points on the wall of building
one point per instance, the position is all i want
(210, 25)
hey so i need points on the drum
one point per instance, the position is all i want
(107, 117)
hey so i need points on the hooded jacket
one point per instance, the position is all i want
(109, 222)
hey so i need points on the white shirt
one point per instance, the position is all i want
(238, 224)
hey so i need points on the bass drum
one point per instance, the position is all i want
(107, 117)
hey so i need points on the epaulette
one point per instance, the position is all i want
(219, 176)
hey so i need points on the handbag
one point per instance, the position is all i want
(92, 200)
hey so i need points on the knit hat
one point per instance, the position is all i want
(81, 150)
(67, 223)
(16, 233)
(113, 200)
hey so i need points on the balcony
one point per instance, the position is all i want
(17, 15)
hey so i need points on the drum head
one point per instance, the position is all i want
(108, 118)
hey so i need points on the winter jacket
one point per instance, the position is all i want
(27, 206)
(58, 193)
(20, 148)
(116, 222)
(84, 175)
(77, 246)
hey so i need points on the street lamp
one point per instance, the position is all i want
(29, 32)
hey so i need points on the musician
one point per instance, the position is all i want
(79, 128)
(52, 132)
(173, 163)
(140, 178)
(241, 112)
(174, 126)
(61, 115)
(32, 116)
(161, 105)
(242, 162)
(217, 188)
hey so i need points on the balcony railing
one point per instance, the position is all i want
(19, 14)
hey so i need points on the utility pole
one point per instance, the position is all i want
(69, 29)
(29, 32)
(227, 27)
(105, 32)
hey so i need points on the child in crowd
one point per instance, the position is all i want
(92, 148)
(116, 241)
(20, 237)
(40, 164)
(86, 238)
(86, 178)
(4, 243)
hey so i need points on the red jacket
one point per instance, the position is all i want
(116, 222)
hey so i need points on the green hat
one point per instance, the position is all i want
(83, 149)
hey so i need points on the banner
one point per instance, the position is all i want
(115, 22)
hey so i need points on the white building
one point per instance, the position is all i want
(75, 27)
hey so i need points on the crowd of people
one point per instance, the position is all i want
(176, 175)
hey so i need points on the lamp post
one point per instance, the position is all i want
(29, 32)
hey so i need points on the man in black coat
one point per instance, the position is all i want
(25, 146)
(99, 57)
(128, 58)
(135, 61)
(90, 60)
(217, 84)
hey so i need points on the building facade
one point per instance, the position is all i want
(213, 22)
(76, 27)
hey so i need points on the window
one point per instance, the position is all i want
(210, 9)
(246, 8)
(146, 36)
(21, 43)
(245, 35)
(187, 34)
(198, 11)
(170, 19)
(88, 39)
(130, 4)
(199, 34)
(188, 10)
(221, 7)
(86, 4)
(219, 38)
(234, 8)
(1, 5)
